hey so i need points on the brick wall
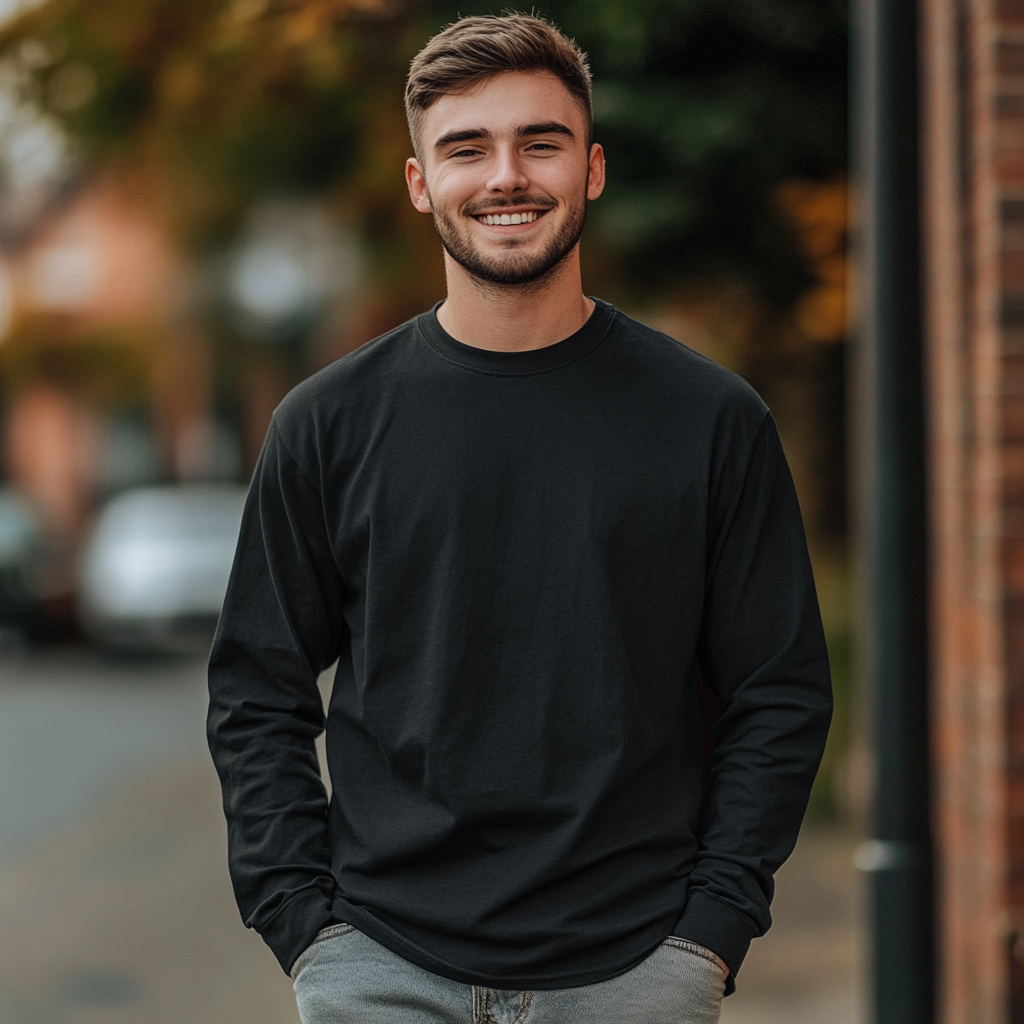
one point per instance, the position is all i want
(1009, 161)
(973, 175)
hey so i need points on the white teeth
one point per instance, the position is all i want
(505, 218)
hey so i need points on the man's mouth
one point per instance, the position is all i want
(519, 217)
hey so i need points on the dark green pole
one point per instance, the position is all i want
(889, 394)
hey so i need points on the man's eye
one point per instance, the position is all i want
(542, 146)
(465, 152)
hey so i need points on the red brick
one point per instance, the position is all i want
(973, 166)
(1010, 57)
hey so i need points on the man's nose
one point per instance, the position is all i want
(508, 173)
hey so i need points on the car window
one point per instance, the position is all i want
(172, 515)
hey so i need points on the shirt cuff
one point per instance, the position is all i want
(291, 931)
(720, 928)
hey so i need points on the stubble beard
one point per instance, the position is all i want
(511, 268)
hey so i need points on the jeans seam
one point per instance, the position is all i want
(697, 950)
(332, 931)
(524, 1008)
(482, 1006)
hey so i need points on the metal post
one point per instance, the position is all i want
(890, 442)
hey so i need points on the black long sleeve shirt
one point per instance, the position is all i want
(520, 561)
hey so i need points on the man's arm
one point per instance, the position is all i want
(762, 651)
(280, 627)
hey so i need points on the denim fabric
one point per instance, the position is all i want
(347, 978)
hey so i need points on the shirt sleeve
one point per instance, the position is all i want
(281, 626)
(762, 651)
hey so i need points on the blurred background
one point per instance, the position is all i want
(200, 204)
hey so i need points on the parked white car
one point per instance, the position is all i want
(155, 569)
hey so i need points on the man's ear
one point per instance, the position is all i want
(595, 177)
(417, 184)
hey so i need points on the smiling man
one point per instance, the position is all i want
(525, 526)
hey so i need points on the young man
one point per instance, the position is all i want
(524, 525)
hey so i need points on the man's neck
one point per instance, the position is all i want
(514, 318)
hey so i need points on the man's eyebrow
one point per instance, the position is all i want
(466, 135)
(523, 131)
(545, 128)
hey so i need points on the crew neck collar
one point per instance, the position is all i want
(534, 360)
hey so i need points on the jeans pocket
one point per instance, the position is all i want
(332, 931)
(686, 946)
(705, 971)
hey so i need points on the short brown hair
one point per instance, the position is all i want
(474, 49)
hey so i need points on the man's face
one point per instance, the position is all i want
(507, 175)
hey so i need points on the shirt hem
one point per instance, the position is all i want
(383, 933)
(292, 928)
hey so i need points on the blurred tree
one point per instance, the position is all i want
(219, 102)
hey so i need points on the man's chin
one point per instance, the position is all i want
(509, 277)
(508, 272)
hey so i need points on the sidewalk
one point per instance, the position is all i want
(808, 969)
(129, 917)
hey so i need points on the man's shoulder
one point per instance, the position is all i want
(679, 371)
(352, 379)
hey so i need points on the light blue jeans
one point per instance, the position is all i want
(345, 977)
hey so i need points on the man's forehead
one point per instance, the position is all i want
(503, 105)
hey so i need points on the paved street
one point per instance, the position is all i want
(114, 898)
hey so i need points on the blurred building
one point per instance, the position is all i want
(90, 290)
(124, 363)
